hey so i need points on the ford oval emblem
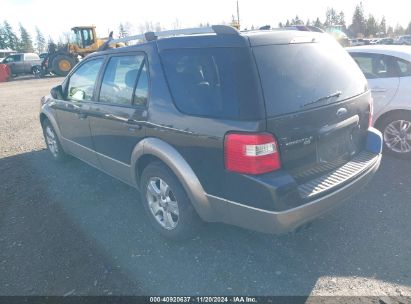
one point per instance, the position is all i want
(342, 112)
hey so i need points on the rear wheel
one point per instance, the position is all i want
(62, 64)
(396, 129)
(167, 204)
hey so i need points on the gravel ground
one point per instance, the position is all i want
(67, 229)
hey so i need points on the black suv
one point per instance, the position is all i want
(265, 130)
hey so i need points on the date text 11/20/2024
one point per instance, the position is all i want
(239, 299)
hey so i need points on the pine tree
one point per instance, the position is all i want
(341, 21)
(318, 23)
(296, 21)
(3, 41)
(40, 41)
(25, 43)
(122, 31)
(331, 17)
(11, 39)
(408, 30)
(383, 26)
(390, 31)
(371, 27)
(358, 25)
(399, 30)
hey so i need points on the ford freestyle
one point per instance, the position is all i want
(265, 130)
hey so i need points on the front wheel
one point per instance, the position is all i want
(52, 142)
(396, 129)
(166, 203)
(62, 64)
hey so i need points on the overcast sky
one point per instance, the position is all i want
(54, 17)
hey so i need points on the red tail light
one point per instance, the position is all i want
(371, 108)
(251, 153)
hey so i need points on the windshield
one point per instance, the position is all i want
(75, 37)
(295, 75)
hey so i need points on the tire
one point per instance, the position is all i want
(37, 72)
(396, 130)
(173, 217)
(53, 142)
(62, 64)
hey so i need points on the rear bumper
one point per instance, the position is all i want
(283, 221)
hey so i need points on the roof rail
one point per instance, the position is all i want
(150, 36)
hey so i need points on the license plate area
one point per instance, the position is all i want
(335, 145)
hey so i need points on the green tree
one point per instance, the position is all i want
(10, 38)
(40, 41)
(331, 17)
(390, 31)
(358, 25)
(296, 20)
(372, 27)
(383, 26)
(341, 20)
(280, 25)
(122, 31)
(399, 30)
(25, 43)
(408, 29)
(3, 41)
(318, 23)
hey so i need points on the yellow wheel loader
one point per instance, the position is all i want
(83, 41)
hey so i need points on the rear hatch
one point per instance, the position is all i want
(317, 103)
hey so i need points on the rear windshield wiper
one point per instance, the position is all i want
(336, 94)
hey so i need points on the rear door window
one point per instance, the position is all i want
(294, 76)
(214, 82)
(377, 65)
(120, 79)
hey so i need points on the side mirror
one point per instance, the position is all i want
(57, 92)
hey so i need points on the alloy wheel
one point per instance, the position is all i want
(52, 141)
(397, 136)
(162, 203)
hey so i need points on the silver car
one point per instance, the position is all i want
(388, 71)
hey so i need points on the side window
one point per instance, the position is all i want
(13, 58)
(120, 79)
(213, 82)
(82, 82)
(405, 67)
(141, 93)
(365, 64)
(377, 66)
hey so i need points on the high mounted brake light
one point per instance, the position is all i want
(251, 153)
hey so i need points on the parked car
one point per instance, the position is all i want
(23, 63)
(263, 130)
(385, 41)
(404, 40)
(388, 71)
(359, 41)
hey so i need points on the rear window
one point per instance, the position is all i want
(294, 76)
(214, 82)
